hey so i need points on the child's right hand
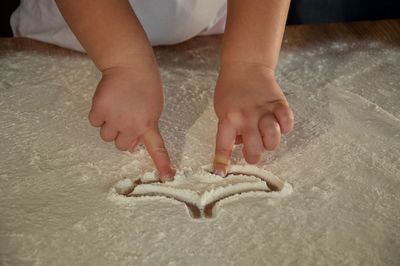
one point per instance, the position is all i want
(127, 105)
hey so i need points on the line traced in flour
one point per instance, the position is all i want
(202, 207)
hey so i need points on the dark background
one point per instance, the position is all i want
(301, 11)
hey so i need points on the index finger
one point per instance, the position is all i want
(155, 147)
(225, 140)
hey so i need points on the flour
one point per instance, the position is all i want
(59, 204)
(201, 188)
(124, 186)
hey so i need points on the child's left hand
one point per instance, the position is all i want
(251, 109)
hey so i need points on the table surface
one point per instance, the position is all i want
(342, 158)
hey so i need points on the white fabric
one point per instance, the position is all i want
(165, 21)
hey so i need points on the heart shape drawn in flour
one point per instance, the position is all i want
(201, 190)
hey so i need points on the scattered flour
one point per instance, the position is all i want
(124, 186)
(343, 160)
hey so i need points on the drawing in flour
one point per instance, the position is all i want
(200, 190)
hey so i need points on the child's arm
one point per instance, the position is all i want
(128, 100)
(254, 31)
(248, 101)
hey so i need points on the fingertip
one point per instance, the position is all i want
(167, 179)
(285, 117)
(108, 133)
(270, 131)
(221, 165)
(94, 119)
(167, 174)
(119, 146)
(271, 144)
(252, 144)
(251, 158)
(220, 170)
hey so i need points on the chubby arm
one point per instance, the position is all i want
(251, 107)
(129, 99)
(254, 31)
(108, 30)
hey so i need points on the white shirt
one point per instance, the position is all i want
(164, 21)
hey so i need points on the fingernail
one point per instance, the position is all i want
(169, 176)
(220, 172)
(166, 178)
(221, 165)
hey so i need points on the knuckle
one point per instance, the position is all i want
(151, 123)
(250, 112)
(233, 117)
(269, 125)
(160, 150)
(285, 118)
(223, 151)
(128, 125)
(284, 111)
(99, 103)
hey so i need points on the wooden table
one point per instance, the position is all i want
(296, 36)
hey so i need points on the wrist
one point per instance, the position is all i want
(137, 63)
(246, 67)
(128, 60)
(230, 55)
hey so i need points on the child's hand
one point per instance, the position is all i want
(251, 109)
(127, 105)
